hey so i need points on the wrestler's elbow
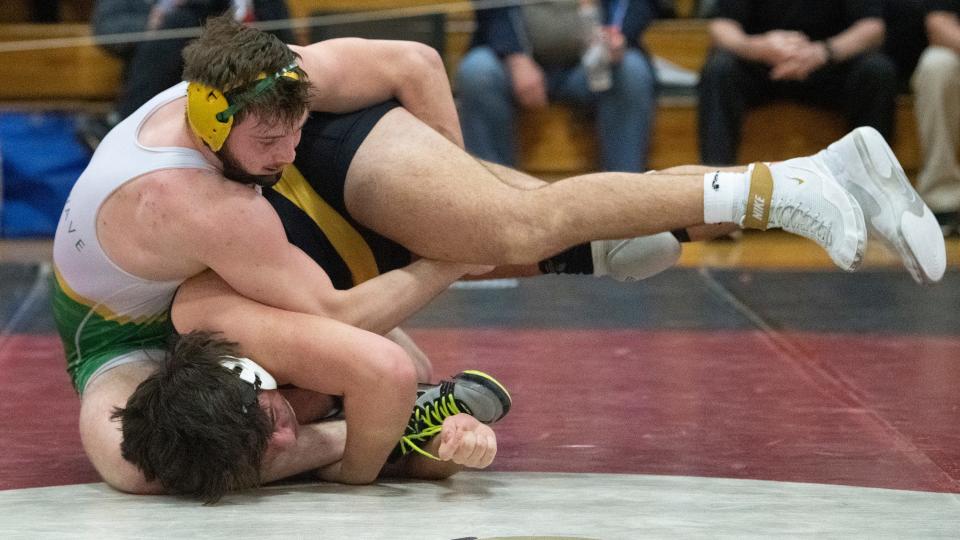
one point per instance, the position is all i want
(337, 305)
(393, 371)
(417, 63)
(382, 366)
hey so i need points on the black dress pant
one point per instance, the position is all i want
(863, 88)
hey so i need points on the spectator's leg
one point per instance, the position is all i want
(727, 87)
(624, 112)
(936, 86)
(487, 111)
(625, 115)
(870, 92)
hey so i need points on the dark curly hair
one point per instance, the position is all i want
(229, 56)
(194, 425)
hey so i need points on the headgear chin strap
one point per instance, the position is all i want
(249, 371)
(210, 114)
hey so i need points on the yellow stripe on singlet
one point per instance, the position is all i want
(98, 308)
(351, 247)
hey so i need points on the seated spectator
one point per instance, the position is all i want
(936, 85)
(821, 52)
(576, 52)
(905, 37)
(150, 67)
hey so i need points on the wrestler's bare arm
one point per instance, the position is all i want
(374, 375)
(238, 235)
(351, 73)
(320, 355)
(318, 445)
(462, 443)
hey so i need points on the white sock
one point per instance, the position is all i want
(724, 194)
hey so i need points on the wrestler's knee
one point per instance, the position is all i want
(102, 446)
(129, 481)
(102, 436)
(523, 239)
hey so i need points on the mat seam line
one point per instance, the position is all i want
(796, 354)
(36, 290)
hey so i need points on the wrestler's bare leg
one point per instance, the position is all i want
(489, 212)
(101, 436)
(447, 205)
(521, 180)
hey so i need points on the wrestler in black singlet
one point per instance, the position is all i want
(349, 252)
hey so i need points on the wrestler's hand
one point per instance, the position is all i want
(465, 441)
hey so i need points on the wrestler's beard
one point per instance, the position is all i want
(232, 170)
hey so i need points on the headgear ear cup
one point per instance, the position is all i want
(210, 114)
(249, 371)
(203, 105)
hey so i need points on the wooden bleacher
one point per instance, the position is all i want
(18, 11)
(553, 141)
(52, 77)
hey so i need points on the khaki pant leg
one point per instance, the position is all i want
(936, 85)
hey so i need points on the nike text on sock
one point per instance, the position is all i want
(757, 215)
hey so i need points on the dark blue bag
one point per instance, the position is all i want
(41, 161)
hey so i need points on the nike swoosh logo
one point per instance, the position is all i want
(800, 181)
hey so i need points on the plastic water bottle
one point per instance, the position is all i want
(596, 58)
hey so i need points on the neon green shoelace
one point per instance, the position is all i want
(425, 423)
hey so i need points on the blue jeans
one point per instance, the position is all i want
(624, 113)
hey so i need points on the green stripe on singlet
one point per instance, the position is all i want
(90, 339)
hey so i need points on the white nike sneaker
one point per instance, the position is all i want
(635, 258)
(802, 196)
(868, 169)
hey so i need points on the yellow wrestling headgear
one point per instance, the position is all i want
(210, 114)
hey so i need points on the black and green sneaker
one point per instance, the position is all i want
(471, 392)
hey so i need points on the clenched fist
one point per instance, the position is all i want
(465, 441)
